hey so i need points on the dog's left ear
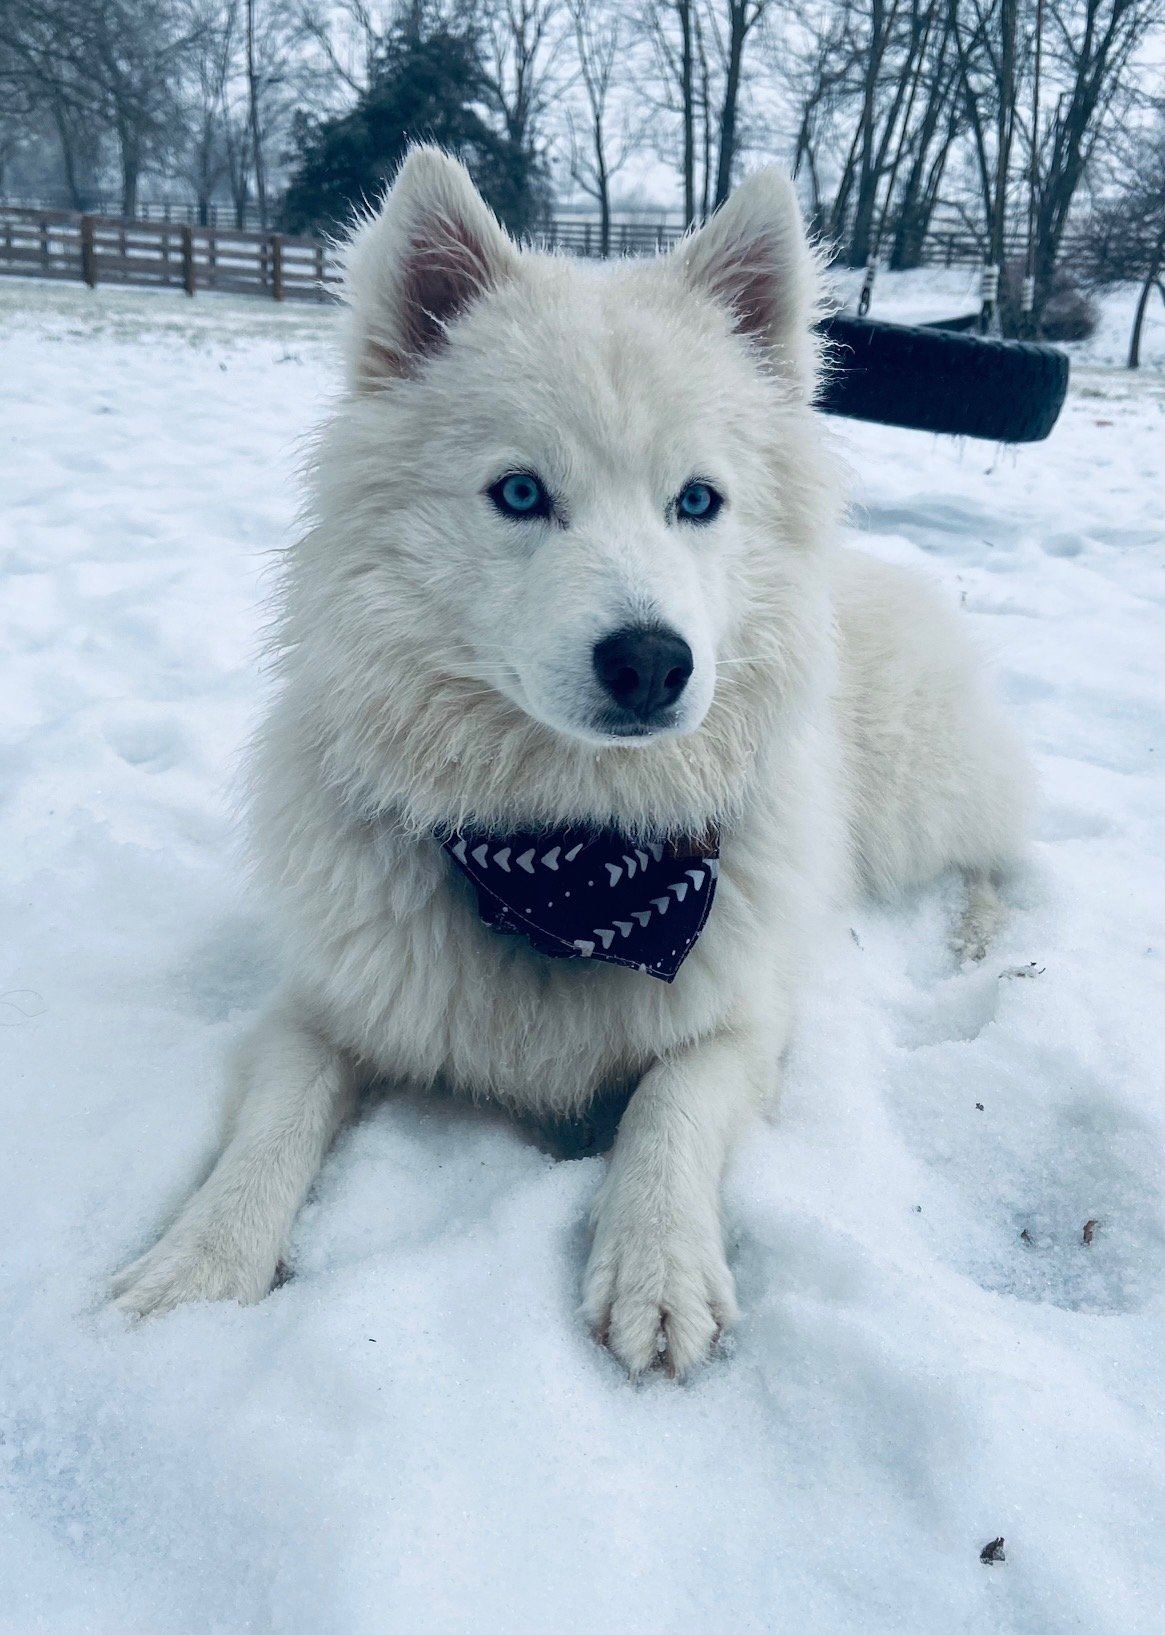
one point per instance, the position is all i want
(433, 249)
(754, 258)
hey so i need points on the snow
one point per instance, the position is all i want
(414, 1433)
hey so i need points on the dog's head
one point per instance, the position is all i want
(564, 507)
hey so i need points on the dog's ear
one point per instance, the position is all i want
(431, 250)
(754, 258)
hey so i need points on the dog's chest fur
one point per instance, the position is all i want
(389, 938)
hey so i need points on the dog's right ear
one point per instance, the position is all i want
(754, 259)
(431, 250)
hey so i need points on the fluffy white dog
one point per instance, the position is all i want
(572, 568)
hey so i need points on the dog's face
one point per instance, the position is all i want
(568, 496)
(589, 514)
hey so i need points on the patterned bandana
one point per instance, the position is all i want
(594, 894)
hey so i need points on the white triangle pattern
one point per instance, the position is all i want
(549, 860)
(661, 904)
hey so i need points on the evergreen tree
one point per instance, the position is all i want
(429, 85)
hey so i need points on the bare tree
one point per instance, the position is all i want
(274, 69)
(600, 42)
(523, 42)
(1092, 45)
(349, 36)
(136, 55)
(258, 166)
(46, 71)
(872, 91)
(671, 29)
(205, 96)
(1126, 228)
(929, 144)
(736, 22)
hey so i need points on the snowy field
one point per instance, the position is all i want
(414, 1434)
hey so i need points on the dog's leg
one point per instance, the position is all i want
(657, 1279)
(293, 1091)
(982, 916)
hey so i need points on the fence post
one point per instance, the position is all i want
(188, 260)
(88, 253)
(321, 291)
(277, 266)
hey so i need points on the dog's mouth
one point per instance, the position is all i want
(596, 722)
(620, 729)
(607, 727)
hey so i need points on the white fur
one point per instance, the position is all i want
(436, 662)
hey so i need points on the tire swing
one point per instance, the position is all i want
(931, 379)
(941, 377)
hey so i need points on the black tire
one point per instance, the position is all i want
(937, 380)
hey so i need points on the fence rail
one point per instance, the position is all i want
(116, 250)
(186, 213)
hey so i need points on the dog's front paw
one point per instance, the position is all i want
(658, 1294)
(191, 1264)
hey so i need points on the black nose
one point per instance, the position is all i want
(643, 669)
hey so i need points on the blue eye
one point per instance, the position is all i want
(698, 502)
(520, 494)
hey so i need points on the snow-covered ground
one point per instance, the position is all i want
(415, 1434)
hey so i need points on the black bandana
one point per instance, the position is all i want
(594, 894)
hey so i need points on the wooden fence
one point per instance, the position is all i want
(112, 250)
(116, 250)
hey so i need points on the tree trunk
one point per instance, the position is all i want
(688, 109)
(916, 202)
(77, 199)
(705, 103)
(253, 118)
(1104, 47)
(737, 29)
(1004, 125)
(130, 170)
(1152, 279)
(859, 244)
(974, 116)
(602, 188)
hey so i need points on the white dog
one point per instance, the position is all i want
(573, 569)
